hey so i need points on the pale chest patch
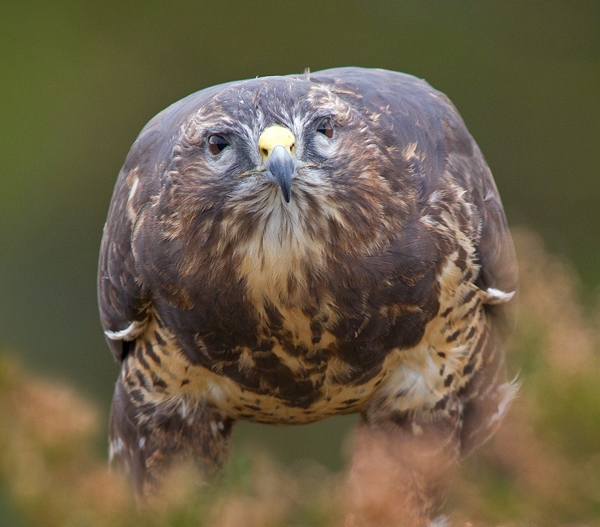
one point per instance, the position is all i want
(275, 263)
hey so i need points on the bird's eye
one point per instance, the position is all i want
(217, 143)
(325, 127)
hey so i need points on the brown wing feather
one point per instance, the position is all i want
(121, 298)
(411, 111)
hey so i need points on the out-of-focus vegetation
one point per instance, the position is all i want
(541, 468)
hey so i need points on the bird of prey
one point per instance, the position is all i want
(289, 248)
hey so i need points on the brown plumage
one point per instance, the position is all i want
(284, 249)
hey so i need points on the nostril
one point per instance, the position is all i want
(292, 147)
(264, 152)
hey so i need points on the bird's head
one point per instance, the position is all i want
(280, 169)
(277, 142)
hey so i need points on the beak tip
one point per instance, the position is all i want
(280, 169)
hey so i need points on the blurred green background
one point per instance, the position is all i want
(78, 80)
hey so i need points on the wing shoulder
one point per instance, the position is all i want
(429, 144)
(123, 300)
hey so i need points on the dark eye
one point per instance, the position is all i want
(217, 143)
(325, 127)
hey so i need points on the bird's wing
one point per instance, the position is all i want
(410, 114)
(413, 117)
(123, 301)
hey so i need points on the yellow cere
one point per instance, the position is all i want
(273, 136)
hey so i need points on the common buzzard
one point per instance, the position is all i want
(285, 249)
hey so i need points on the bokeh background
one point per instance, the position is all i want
(79, 79)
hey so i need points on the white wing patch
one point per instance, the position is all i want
(131, 332)
(508, 392)
(495, 296)
(133, 189)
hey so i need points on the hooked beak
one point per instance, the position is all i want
(276, 145)
(281, 166)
